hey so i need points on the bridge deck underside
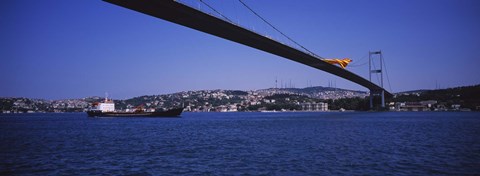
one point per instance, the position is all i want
(192, 18)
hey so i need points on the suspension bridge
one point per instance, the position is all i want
(182, 14)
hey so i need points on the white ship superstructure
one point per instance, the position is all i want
(106, 106)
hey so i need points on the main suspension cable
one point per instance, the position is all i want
(226, 18)
(376, 75)
(357, 61)
(264, 20)
(386, 72)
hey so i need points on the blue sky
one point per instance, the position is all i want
(57, 49)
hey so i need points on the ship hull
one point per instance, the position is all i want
(169, 113)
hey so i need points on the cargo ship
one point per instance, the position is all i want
(107, 109)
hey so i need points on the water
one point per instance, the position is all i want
(357, 143)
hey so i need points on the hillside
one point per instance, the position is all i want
(467, 96)
(272, 98)
(319, 92)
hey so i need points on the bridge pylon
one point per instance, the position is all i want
(372, 56)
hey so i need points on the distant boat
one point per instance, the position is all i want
(269, 111)
(107, 109)
(169, 113)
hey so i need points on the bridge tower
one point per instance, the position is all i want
(372, 56)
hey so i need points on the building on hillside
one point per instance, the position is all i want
(411, 106)
(429, 103)
(315, 106)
